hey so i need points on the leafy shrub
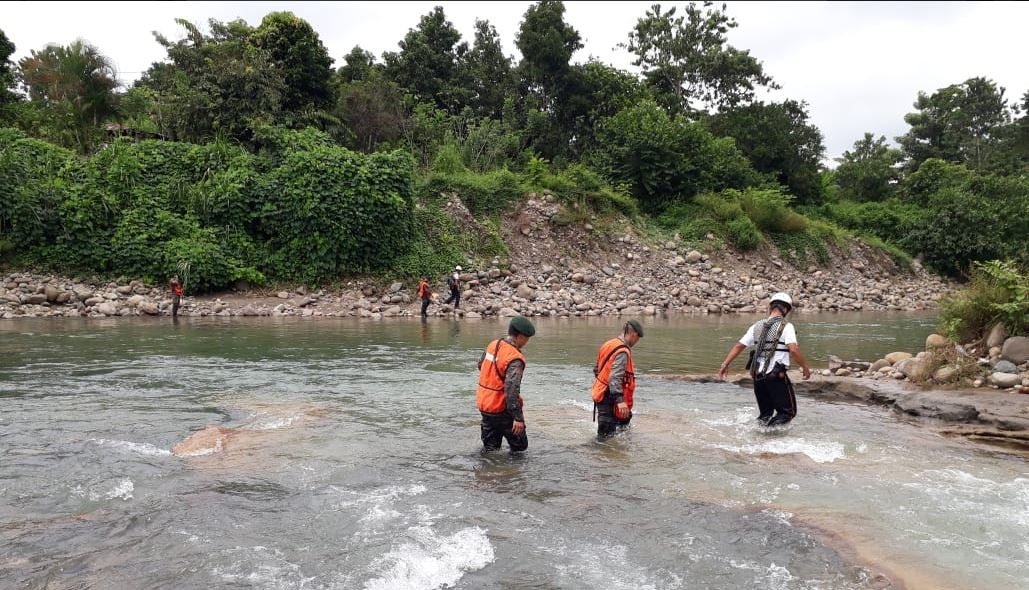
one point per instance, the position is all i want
(720, 207)
(997, 292)
(743, 234)
(35, 178)
(769, 209)
(331, 211)
(483, 194)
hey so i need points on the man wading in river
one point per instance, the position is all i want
(615, 380)
(500, 382)
(774, 340)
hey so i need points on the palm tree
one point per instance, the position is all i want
(75, 86)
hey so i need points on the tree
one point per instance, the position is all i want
(600, 91)
(548, 80)
(870, 172)
(486, 72)
(7, 94)
(688, 62)
(667, 160)
(75, 84)
(959, 123)
(780, 142)
(298, 54)
(426, 65)
(372, 110)
(217, 84)
(359, 65)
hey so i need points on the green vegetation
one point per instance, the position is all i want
(245, 155)
(997, 292)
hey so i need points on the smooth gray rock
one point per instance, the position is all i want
(1003, 366)
(1016, 349)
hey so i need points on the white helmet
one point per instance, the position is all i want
(457, 268)
(782, 297)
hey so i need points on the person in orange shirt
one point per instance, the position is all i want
(425, 294)
(176, 288)
(499, 396)
(615, 380)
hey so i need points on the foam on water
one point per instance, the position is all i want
(963, 492)
(272, 423)
(430, 560)
(819, 452)
(601, 566)
(576, 403)
(262, 567)
(123, 490)
(132, 447)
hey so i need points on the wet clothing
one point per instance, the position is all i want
(496, 427)
(615, 382)
(776, 399)
(498, 396)
(775, 396)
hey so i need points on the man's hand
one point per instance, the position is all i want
(622, 411)
(723, 372)
(518, 427)
(806, 372)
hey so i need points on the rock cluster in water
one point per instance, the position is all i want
(1004, 365)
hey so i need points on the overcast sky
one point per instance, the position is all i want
(858, 65)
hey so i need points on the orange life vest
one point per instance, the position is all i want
(490, 395)
(177, 289)
(423, 289)
(602, 370)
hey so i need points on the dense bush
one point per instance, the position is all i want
(330, 211)
(998, 292)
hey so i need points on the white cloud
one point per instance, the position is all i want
(859, 65)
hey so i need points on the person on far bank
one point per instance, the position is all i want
(425, 294)
(176, 289)
(499, 396)
(774, 341)
(454, 284)
(615, 380)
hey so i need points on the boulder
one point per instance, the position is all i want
(124, 290)
(36, 299)
(282, 294)
(507, 312)
(996, 337)
(396, 287)
(1005, 380)
(843, 372)
(149, 308)
(878, 365)
(525, 292)
(693, 256)
(51, 293)
(1003, 366)
(945, 374)
(1016, 349)
(935, 341)
(107, 308)
(896, 357)
(64, 297)
(134, 301)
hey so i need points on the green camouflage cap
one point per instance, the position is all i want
(523, 325)
(636, 326)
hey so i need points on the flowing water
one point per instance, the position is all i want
(354, 463)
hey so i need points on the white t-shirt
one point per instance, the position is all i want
(789, 336)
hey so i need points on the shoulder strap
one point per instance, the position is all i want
(609, 356)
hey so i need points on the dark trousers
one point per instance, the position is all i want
(425, 306)
(175, 305)
(455, 296)
(607, 422)
(775, 396)
(496, 427)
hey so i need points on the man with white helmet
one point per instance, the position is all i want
(774, 341)
(454, 283)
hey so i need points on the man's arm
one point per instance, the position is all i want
(795, 353)
(513, 389)
(733, 353)
(614, 384)
(481, 358)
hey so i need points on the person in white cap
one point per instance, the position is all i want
(454, 283)
(774, 340)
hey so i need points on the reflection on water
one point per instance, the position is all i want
(357, 465)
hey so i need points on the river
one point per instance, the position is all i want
(356, 464)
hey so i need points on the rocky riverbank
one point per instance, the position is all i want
(553, 269)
